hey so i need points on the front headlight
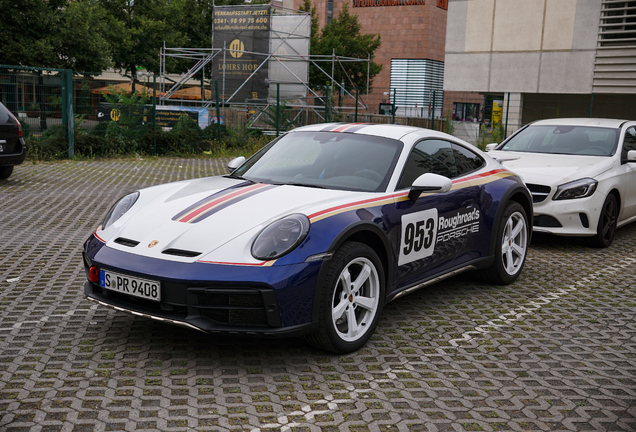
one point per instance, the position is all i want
(118, 210)
(576, 189)
(280, 237)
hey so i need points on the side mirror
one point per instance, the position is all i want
(235, 163)
(491, 146)
(631, 156)
(429, 182)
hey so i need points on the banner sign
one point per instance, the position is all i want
(373, 3)
(168, 116)
(289, 41)
(244, 30)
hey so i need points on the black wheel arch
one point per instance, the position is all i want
(520, 194)
(362, 232)
(617, 195)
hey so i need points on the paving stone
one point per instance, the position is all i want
(555, 351)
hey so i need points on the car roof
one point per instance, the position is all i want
(590, 122)
(392, 131)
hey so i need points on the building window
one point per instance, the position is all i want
(442, 4)
(466, 111)
(329, 10)
(618, 23)
(418, 83)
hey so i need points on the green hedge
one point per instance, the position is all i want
(110, 139)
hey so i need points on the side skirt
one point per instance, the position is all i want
(474, 265)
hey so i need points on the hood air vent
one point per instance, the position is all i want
(181, 253)
(126, 242)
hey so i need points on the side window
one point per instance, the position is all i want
(465, 160)
(4, 115)
(629, 143)
(428, 156)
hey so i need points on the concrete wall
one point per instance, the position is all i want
(521, 46)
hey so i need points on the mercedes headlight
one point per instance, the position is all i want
(577, 189)
(280, 237)
(119, 209)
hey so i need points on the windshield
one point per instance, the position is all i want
(572, 140)
(328, 160)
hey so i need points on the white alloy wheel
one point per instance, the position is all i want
(514, 243)
(356, 299)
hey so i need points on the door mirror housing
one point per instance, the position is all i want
(631, 156)
(235, 163)
(491, 146)
(430, 183)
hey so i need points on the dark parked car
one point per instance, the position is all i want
(12, 147)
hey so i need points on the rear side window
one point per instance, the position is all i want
(466, 160)
(4, 115)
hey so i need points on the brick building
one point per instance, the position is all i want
(413, 34)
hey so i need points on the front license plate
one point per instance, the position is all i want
(134, 286)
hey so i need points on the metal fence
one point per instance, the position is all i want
(49, 101)
(57, 101)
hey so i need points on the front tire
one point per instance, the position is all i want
(606, 227)
(351, 300)
(5, 172)
(511, 247)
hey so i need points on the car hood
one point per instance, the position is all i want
(553, 170)
(216, 218)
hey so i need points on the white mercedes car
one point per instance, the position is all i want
(581, 173)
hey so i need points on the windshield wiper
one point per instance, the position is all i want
(301, 184)
(238, 177)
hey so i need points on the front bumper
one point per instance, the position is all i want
(575, 217)
(195, 321)
(213, 298)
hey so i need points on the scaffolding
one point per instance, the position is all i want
(288, 71)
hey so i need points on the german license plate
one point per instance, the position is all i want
(134, 286)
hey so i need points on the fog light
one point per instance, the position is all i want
(93, 274)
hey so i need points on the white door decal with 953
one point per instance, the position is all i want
(419, 231)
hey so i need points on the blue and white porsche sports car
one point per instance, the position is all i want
(313, 235)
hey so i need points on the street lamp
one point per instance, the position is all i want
(146, 74)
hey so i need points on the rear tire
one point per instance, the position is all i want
(351, 299)
(5, 172)
(511, 247)
(606, 227)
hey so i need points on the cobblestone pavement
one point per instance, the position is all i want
(554, 351)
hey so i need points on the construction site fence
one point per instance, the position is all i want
(49, 100)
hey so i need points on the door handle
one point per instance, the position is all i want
(468, 203)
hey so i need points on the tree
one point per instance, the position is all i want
(83, 30)
(143, 27)
(343, 36)
(65, 34)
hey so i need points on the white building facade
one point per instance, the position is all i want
(544, 58)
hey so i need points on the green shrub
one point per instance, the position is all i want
(110, 139)
(26, 129)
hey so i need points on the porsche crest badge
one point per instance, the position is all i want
(153, 243)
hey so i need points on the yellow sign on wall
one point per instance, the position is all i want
(497, 112)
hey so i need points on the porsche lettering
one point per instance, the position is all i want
(459, 225)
